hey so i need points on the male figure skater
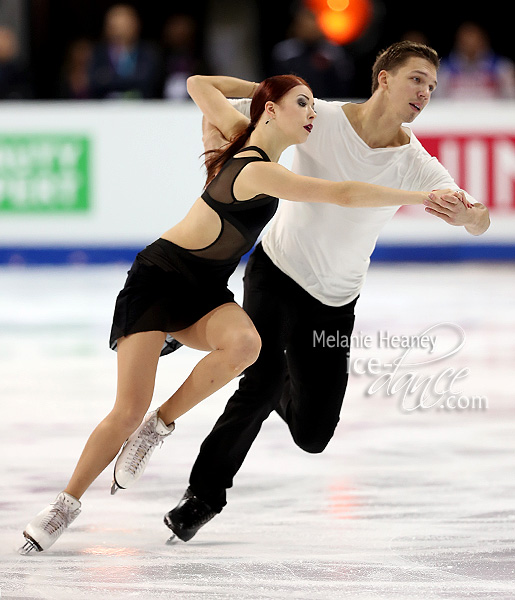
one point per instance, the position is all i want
(307, 273)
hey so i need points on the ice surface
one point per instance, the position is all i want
(404, 504)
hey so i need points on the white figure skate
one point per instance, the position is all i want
(138, 449)
(47, 525)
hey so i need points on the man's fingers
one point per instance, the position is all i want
(440, 207)
(447, 200)
(440, 215)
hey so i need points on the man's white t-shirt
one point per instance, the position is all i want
(326, 248)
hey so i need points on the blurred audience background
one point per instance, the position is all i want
(181, 55)
(327, 67)
(122, 64)
(473, 70)
(100, 49)
(15, 81)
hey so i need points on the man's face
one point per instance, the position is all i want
(410, 87)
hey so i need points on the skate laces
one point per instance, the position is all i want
(149, 439)
(59, 517)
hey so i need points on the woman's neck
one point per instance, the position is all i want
(268, 141)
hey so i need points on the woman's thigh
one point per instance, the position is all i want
(138, 356)
(216, 329)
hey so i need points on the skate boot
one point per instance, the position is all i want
(47, 525)
(138, 449)
(188, 516)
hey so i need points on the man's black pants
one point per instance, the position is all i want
(301, 373)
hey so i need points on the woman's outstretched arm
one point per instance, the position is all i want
(275, 180)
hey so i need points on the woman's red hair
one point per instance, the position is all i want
(271, 89)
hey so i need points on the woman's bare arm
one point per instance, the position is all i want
(210, 94)
(275, 180)
(212, 138)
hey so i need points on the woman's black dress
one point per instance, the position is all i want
(168, 288)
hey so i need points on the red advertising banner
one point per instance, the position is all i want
(482, 164)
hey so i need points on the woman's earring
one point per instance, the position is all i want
(266, 122)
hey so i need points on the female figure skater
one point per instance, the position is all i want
(178, 284)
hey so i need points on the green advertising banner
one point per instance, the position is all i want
(44, 173)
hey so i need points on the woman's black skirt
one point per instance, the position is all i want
(168, 289)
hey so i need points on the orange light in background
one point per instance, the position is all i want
(342, 21)
(338, 4)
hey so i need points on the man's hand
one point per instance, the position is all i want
(453, 207)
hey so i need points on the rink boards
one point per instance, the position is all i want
(94, 182)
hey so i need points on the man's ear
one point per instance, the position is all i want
(382, 79)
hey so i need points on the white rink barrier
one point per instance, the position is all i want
(95, 181)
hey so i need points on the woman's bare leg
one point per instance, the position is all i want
(234, 343)
(230, 335)
(138, 355)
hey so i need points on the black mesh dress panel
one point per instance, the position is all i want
(168, 288)
(241, 222)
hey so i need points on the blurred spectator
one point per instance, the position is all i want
(232, 44)
(307, 53)
(180, 55)
(123, 66)
(14, 78)
(75, 84)
(472, 70)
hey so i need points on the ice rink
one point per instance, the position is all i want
(413, 499)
